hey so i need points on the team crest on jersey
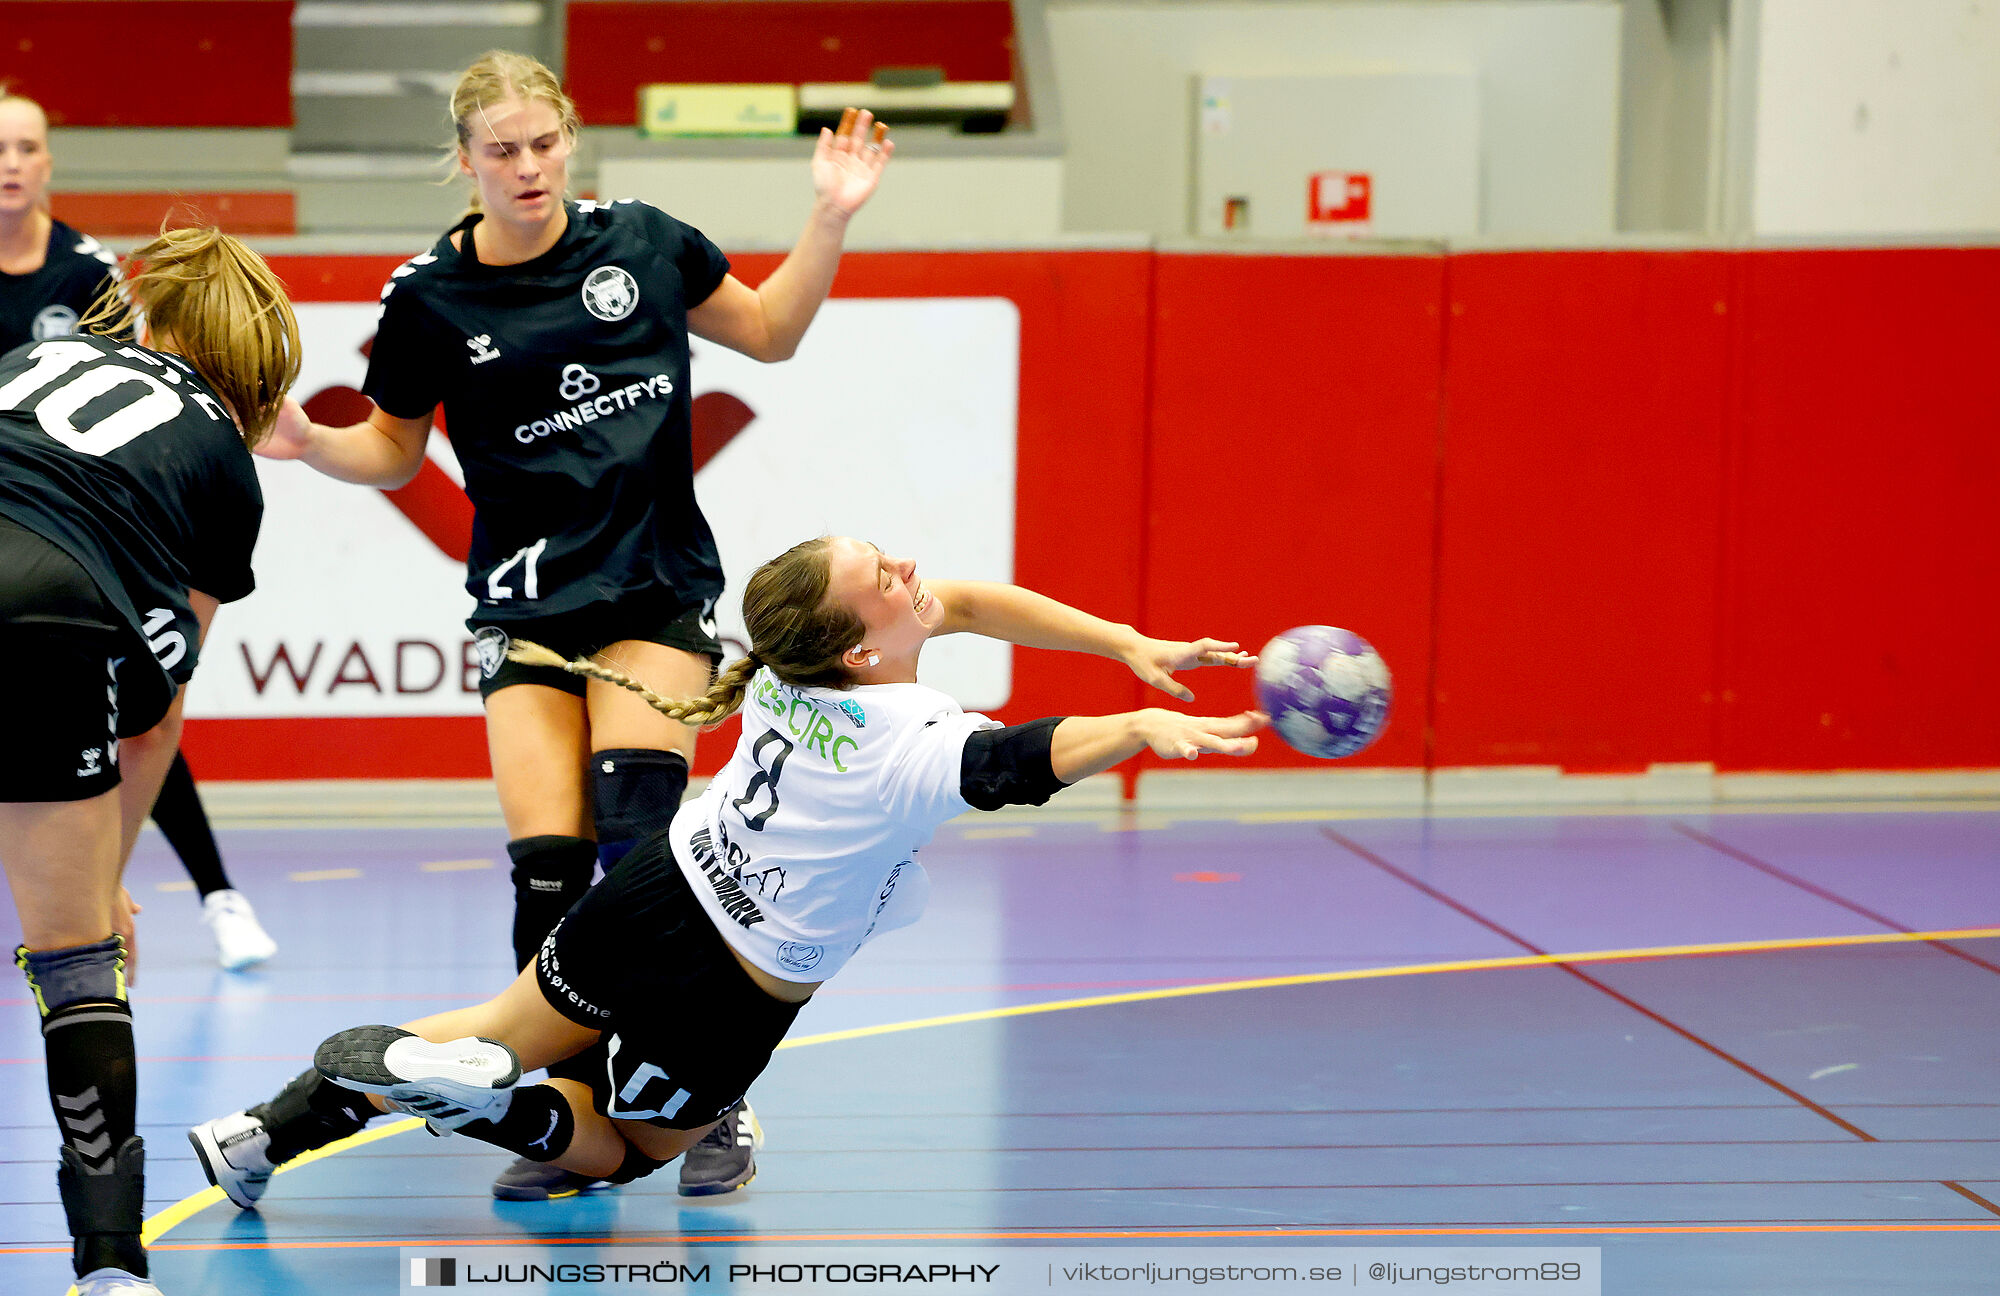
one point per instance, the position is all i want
(491, 643)
(794, 957)
(610, 294)
(53, 322)
(854, 712)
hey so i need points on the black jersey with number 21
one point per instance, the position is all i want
(564, 382)
(127, 461)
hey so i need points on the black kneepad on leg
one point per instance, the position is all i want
(539, 1124)
(634, 792)
(636, 1165)
(309, 1113)
(550, 875)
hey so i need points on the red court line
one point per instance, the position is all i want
(1814, 889)
(1371, 857)
(1083, 1235)
(1970, 1195)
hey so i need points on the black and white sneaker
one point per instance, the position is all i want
(448, 1084)
(726, 1157)
(234, 1152)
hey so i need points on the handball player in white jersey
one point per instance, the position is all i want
(554, 335)
(692, 958)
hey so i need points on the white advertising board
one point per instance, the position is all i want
(894, 422)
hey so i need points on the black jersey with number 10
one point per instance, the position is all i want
(564, 382)
(127, 461)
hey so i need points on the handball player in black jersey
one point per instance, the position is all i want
(692, 958)
(554, 335)
(50, 275)
(128, 509)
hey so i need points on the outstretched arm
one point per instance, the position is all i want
(766, 323)
(382, 450)
(1086, 745)
(1026, 764)
(1021, 616)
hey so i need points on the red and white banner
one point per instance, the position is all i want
(895, 422)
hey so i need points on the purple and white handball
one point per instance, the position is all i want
(1326, 690)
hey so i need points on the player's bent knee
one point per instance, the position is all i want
(636, 1165)
(78, 974)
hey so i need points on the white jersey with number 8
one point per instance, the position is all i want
(804, 845)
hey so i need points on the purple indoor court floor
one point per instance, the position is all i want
(1741, 1053)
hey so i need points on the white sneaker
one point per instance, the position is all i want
(448, 1084)
(234, 1152)
(240, 940)
(114, 1282)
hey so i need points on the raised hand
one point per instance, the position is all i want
(847, 163)
(1155, 660)
(1183, 737)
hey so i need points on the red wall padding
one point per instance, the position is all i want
(1291, 466)
(1598, 509)
(1861, 622)
(615, 48)
(1582, 464)
(1078, 511)
(151, 62)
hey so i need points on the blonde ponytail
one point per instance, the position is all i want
(724, 696)
(220, 307)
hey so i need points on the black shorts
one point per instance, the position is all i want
(585, 631)
(83, 677)
(639, 959)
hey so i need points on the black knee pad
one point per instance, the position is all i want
(636, 1165)
(539, 1124)
(309, 1113)
(634, 792)
(550, 875)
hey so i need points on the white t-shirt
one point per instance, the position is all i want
(805, 844)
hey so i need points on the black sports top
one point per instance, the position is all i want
(126, 460)
(564, 382)
(47, 303)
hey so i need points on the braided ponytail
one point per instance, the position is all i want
(719, 703)
(797, 631)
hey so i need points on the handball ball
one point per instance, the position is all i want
(1325, 689)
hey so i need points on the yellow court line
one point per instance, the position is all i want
(188, 1207)
(326, 875)
(457, 866)
(1416, 969)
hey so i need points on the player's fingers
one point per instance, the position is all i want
(1236, 726)
(846, 124)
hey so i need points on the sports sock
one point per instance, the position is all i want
(179, 813)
